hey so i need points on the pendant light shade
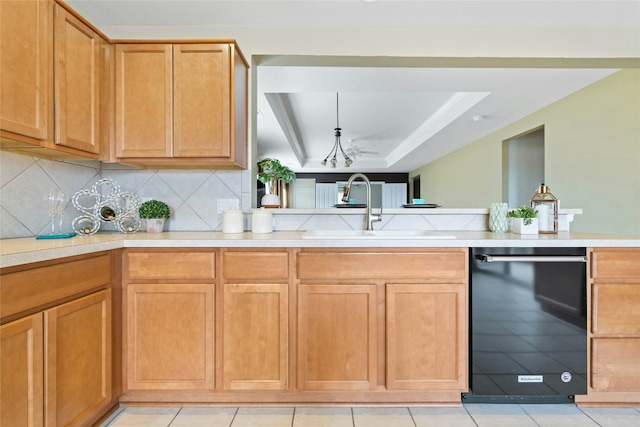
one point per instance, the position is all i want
(337, 145)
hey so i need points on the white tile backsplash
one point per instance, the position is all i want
(191, 194)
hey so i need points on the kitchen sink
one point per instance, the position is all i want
(375, 234)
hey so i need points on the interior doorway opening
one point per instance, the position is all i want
(523, 168)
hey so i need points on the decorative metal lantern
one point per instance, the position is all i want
(547, 206)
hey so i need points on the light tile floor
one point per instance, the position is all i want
(469, 415)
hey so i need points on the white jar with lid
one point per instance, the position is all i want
(232, 221)
(261, 221)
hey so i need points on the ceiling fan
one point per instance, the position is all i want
(355, 151)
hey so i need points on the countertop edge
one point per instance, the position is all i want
(14, 252)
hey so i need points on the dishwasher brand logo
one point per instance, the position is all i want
(530, 378)
(566, 377)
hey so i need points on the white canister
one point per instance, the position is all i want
(232, 221)
(261, 221)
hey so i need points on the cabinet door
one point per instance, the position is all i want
(77, 83)
(256, 336)
(78, 359)
(615, 364)
(143, 95)
(21, 380)
(202, 100)
(25, 67)
(170, 336)
(426, 339)
(337, 338)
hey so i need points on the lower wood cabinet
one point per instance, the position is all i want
(56, 342)
(170, 335)
(615, 365)
(21, 372)
(255, 337)
(426, 343)
(78, 359)
(71, 344)
(614, 338)
(274, 325)
(337, 337)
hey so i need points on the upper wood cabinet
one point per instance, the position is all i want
(51, 93)
(181, 105)
(77, 83)
(25, 69)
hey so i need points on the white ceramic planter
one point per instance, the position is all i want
(270, 201)
(155, 225)
(519, 226)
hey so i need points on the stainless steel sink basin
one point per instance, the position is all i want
(375, 234)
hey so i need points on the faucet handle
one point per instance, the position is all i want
(376, 217)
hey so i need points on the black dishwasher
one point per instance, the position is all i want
(528, 325)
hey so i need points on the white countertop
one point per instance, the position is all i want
(26, 250)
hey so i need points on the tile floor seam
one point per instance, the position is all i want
(470, 416)
(589, 416)
(353, 419)
(529, 415)
(235, 414)
(411, 416)
(175, 416)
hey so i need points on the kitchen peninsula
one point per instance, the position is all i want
(214, 318)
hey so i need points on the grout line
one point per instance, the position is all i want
(174, 417)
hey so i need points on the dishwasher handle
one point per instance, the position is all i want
(530, 258)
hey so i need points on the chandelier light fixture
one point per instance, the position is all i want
(337, 145)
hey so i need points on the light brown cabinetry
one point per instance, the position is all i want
(51, 93)
(295, 325)
(26, 71)
(181, 105)
(426, 341)
(395, 318)
(337, 337)
(615, 326)
(21, 383)
(255, 335)
(78, 64)
(170, 312)
(56, 366)
(78, 359)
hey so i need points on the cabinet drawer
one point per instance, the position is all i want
(171, 265)
(255, 265)
(39, 286)
(374, 265)
(615, 308)
(616, 264)
(615, 364)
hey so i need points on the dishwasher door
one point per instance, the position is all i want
(528, 325)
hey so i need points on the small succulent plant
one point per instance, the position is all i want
(525, 212)
(154, 209)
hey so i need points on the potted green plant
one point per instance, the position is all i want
(270, 173)
(525, 220)
(154, 212)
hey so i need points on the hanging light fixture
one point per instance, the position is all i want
(337, 145)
